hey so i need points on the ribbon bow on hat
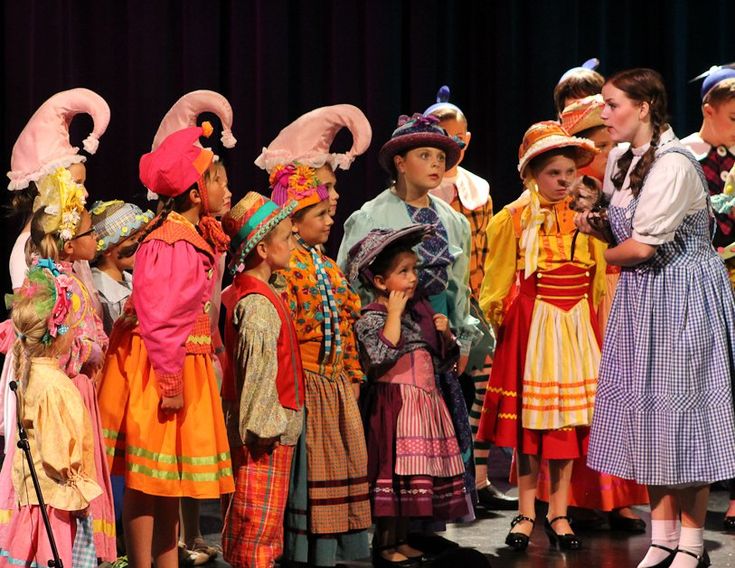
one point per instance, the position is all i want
(44, 145)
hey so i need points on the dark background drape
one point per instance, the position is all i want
(276, 59)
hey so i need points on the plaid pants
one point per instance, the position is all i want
(253, 531)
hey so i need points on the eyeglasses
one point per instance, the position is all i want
(84, 234)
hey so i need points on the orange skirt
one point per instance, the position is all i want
(591, 489)
(185, 454)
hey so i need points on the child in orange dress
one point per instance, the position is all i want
(159, 398)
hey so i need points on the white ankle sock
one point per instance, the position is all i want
(664, 533)
(691, 540)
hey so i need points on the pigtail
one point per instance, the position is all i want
(639, 173)
(168, 206)
(641, 86)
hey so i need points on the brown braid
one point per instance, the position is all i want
(168, 206)
(641, 85)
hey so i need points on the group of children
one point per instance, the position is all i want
(334, 398)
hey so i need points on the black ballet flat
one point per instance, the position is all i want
(515, 540)
(666, 562)
(379, 561)
(729, 524)
(702, 560)
(619, 523)
(561, 541)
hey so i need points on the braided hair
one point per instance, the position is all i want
(641, 86)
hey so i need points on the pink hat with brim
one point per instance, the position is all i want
(549, 135)
(44, 145)
(185, 111)
(307, 140)
(419, 131)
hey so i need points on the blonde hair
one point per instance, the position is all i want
(30, 314)
(46, 245)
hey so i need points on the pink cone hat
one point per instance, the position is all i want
(307, 139)
(185, 111)
(44, 145)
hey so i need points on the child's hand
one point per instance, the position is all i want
(171, 404)
(397, 302)
(441, 323)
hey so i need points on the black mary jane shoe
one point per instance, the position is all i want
(728, 523)
(619, 523)
(379, 561)
(568, 541)
(515, 540)
(666, 562)
(702, 559)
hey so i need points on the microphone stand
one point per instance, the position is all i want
(24, 445)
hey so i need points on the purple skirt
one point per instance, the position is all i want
(409, 429)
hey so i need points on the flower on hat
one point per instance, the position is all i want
(298, 182)
(62, 199)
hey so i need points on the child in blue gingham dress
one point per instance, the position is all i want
(664, 409)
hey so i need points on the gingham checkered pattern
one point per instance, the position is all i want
(664, 408)
(84, 554)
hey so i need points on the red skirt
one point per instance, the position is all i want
(500, 423)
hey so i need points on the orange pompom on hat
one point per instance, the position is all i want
(178, 163)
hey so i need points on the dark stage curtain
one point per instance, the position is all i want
(275, 59)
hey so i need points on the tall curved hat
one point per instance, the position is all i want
(186, 110)
(308, 139)
(44, 145)
(417, 131)
(583, 114)
(550, 135)
(714, 76)
(590, 65)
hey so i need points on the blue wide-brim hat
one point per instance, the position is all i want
(419, 131)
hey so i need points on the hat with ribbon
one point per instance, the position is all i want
(549, 135)
(249, 221)
(366, 250)
(419, 131)
(44, 144)
(115, 221)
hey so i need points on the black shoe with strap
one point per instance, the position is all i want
(729, 523)
(702, 559)
(568, 541)
(666, 562)
(516, 540)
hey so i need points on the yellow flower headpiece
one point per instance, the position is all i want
(62, 199)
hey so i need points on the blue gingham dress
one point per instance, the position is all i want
(664, 408)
